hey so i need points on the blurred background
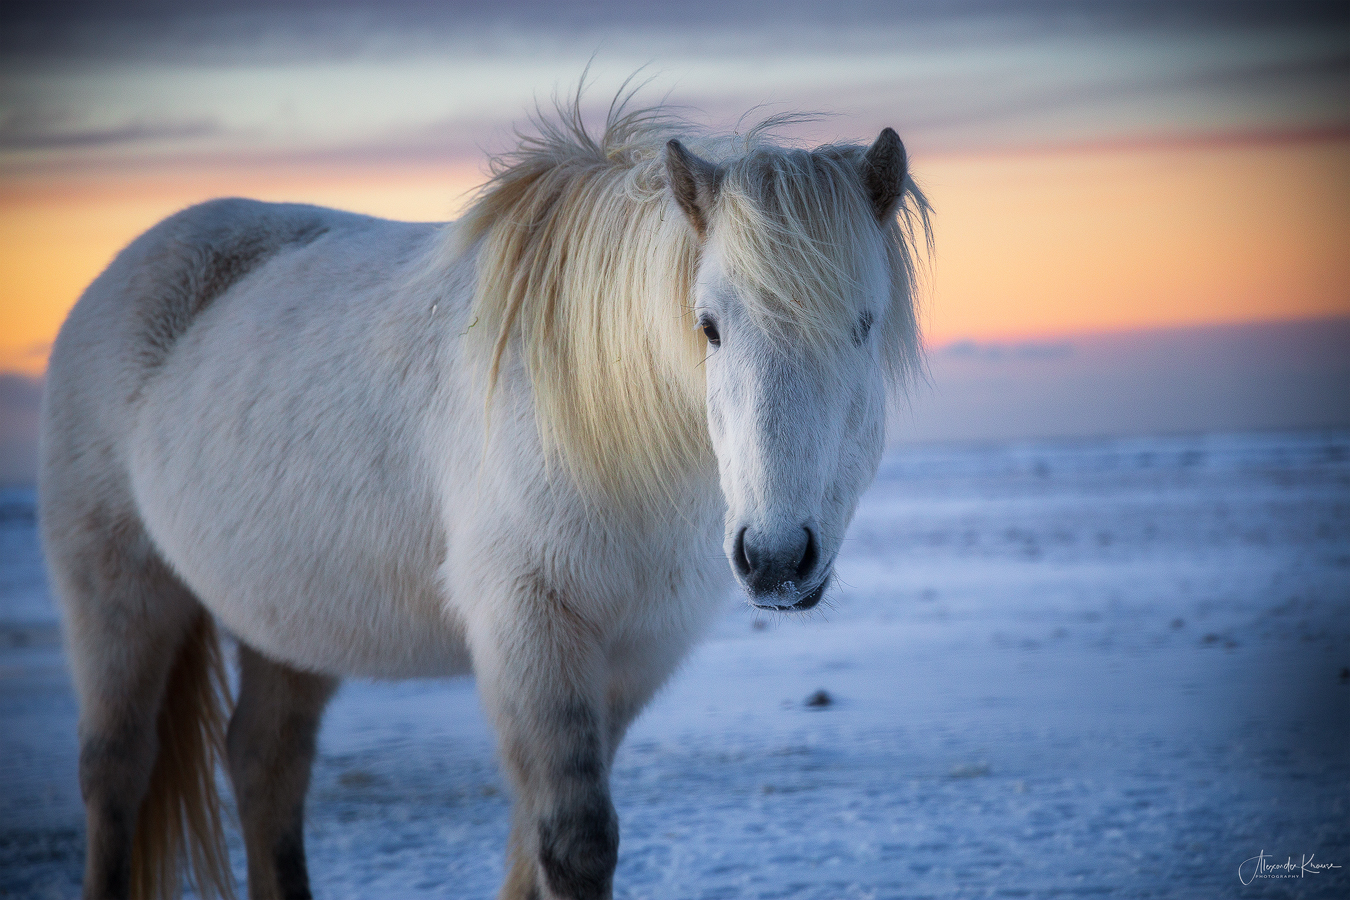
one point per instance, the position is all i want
(1142, 207)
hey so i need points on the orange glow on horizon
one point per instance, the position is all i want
(56, 236)
(1068, 243)
(1034, 245)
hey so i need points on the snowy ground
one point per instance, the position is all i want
(1109, 668)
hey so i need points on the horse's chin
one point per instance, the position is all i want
(783, 601)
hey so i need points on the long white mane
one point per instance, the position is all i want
(586, 269)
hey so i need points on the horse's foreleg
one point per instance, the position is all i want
(545, 693)
(565, 834)
(270, 744)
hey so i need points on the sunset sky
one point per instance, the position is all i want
(1100, 167)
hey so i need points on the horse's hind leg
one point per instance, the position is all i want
(271, 748)
(141, 652)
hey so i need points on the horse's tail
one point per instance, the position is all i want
(179, 824)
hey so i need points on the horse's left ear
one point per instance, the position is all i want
(883, 174)
(693, 181)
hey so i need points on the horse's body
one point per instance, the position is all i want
(273, 417)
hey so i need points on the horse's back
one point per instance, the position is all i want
(129, 319)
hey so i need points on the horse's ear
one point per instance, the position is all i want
(693, 181)
(883, 174)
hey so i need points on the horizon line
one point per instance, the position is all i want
(1014, 340)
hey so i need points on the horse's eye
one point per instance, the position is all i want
(710, 332)
(863, 328)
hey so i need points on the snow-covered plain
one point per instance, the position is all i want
(1094, 668)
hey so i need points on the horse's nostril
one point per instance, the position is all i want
(738, 556)
(809, 556)
(769, 565)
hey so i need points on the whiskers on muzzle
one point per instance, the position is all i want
(787, 598)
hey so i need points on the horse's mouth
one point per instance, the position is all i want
(803, 603)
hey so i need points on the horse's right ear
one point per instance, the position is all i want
(883, 174)
(693, 181)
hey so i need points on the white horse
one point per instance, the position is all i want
(509, 445)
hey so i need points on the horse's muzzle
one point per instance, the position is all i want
(782, 600)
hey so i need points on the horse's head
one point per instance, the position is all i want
(803, 293)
